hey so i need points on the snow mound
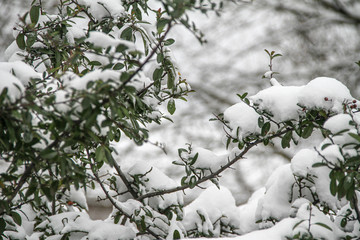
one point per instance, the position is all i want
(14, 86)
(79, 224)
(287, 103)
(100, 39)
(242, 119)
(212, 208)
(21, 70)
(154, 180)
(104, 8)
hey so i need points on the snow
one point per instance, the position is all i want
(81, 83)
(322, 183)
(278, 232)
(21, 70)
(77, 196)
(338, 123)
(274, 82)
(281, 101)
(14, 86)
(341, 122)
(243, 117)
(284, 102)
(302, 162)
(78, 28)
(276, 203)
(103, 40)
(81, 226)
(314, 93)
(248, 211)
(174, 226)
(311, 214)
(62, 98)
(268, 74)
(332, 154)
(104, 8)
(215, 206)
(11, 50)
(154, 179)
(207, 159)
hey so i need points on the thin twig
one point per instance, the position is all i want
(148, 58)
(124, 179)
(110, 198)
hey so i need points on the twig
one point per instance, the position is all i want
(148, 58)
(110, 198)
(214, 174)
(124, 179)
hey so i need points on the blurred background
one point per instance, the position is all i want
(316, 38)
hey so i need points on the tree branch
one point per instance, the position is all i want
(110, 198)
(124, 179)
(148, 57)
(214, 174)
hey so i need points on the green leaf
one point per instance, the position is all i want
(183, 181)
(127, 34)
(176, 235)
(32, 187)
(117, 218)
(138, 14)
(161, 24)
(228, 141)
(30, 39)
(169, 42)
(307, 131)
(16, 217)
(260, 122)
(171, 106)
(48, 154)
(157, 74)
(192, 182)
(170, 80)
(285, 141)
(20, 41)
(355, 136)
(194, 159)
(350, 193)
(343, 222)
(109, 158)
(333, 187)
(160, 57)
(323, 225)
(353, 161)
(326, 145)
(319, 164)
(100, 154)
(348, 182)
(34, 14)
(265, 128)
(2, 225)
(243, 96)
(297, 224)
(121, 48)
(340, 189)
(118, 66)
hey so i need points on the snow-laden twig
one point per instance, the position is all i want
(216, 173)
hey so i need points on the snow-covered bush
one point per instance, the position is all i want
(95, 72)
